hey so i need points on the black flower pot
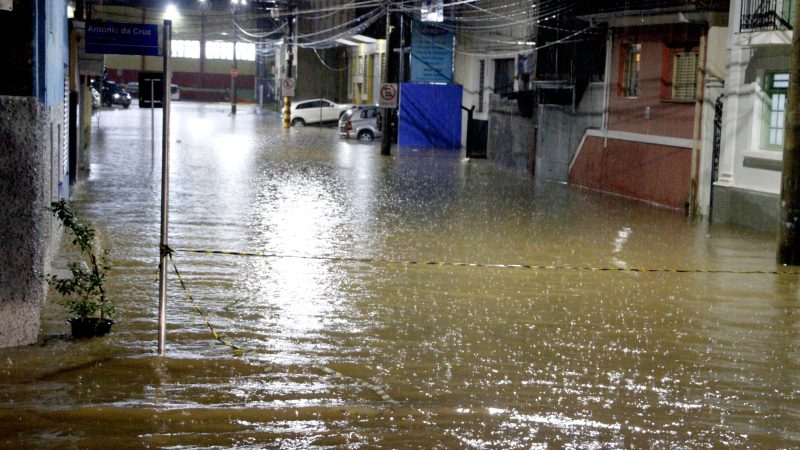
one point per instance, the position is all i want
(89, 327)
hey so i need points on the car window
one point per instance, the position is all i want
(305, 105)
(325, 104)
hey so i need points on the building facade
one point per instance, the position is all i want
(662, 66)
(748, 175)
(34, 167)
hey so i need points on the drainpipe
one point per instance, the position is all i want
(698, 124)
(607, 87)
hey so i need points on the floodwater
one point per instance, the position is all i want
(349, 344)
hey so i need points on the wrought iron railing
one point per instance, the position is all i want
(766, 15)
(638, 6)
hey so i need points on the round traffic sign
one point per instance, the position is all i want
(389, 92)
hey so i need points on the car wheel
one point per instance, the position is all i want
(365, 135)
(298, 122)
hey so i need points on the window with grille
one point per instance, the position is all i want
(776, 89)
(224, 50)
(186, 49)
(481, 84)
(504, 75)
(684, 76)
(632, 58)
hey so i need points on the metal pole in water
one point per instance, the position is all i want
(152, 119)
(163, 248)
(386, 137)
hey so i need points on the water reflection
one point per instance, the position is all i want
(476, 357)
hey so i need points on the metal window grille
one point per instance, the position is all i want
(481, 84)
(630, 81)
(684, 76)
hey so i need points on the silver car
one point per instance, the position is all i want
(363, 122)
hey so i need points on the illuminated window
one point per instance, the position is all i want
(186, 49)
(632, 58)
(224, 50)
(245, 51)
(219, 50)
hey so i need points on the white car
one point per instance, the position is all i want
(95, 98)
(318, 110)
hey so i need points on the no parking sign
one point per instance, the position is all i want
(388, 95)
(287, 87)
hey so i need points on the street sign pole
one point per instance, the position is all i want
(164, 247)
(152, 120)
(386, 137)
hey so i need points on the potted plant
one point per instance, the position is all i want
(84, 293)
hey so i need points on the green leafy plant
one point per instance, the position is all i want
(84, 294)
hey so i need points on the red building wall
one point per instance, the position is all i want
(654, 173)
(649, 172)
(666, 118)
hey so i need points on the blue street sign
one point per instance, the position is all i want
(431, 54)
(121, 38)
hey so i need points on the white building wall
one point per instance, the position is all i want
(746, 169)
(472, 47)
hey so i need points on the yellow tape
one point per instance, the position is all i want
(495, 266)
(218, 337)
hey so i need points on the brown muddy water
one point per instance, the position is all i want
(350, 346)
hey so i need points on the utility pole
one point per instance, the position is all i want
(386, 137)
(789, 227)
(287, 101)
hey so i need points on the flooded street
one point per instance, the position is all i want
(360, 328)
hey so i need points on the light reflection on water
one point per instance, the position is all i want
(476, 357)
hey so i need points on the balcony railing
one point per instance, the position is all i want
(652, 6)
(766, 15)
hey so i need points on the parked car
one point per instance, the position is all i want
(362, 122)
(318, 110)
(133, 88)
(114, 94)
(95, 97)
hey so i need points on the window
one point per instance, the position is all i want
(631, 59)
(224, 50)
(775, 90)
(684, 76)
(481, 84)
(504, 75)
(186, 49)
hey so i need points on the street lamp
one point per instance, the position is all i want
(171, 13)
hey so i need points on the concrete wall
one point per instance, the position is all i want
(752, 209)
(560, 130)
(318, 80)
(512, 138)
(29, 176)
